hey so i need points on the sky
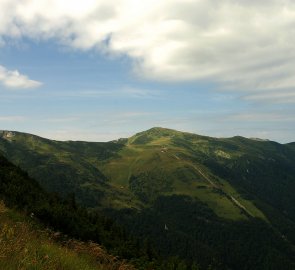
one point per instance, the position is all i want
(100, 70)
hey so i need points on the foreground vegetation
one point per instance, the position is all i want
(27, 245)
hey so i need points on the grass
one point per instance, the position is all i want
(174, 154)
(159, 154)
(24, 245)
(247, 203)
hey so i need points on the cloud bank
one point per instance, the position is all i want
(239, 44)
(15, 80)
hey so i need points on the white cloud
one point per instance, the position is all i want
(13, 79)
(78, 134)
(274, 96)
(251, 117)
(127, 92)
(241, 45)
(62, 119)
(12, 118)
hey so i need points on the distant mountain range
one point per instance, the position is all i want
(226, 202)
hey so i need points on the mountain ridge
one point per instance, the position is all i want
(153, 129)
(227, 183)
(94, 166)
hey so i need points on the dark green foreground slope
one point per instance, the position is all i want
(26, 245)
(28, 210)
(228, 203)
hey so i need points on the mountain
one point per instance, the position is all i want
(224, 202)
(234, 172)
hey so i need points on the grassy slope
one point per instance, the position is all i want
(64, 167)
(167, 151)
(25, 245)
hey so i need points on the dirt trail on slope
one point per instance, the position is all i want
(233, 199)
(230, 197)
(206, 177)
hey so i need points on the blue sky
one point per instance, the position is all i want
(117, 76)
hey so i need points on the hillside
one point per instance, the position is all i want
(39, 230)
(65, 167)
(190, 195)
(27, 245)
